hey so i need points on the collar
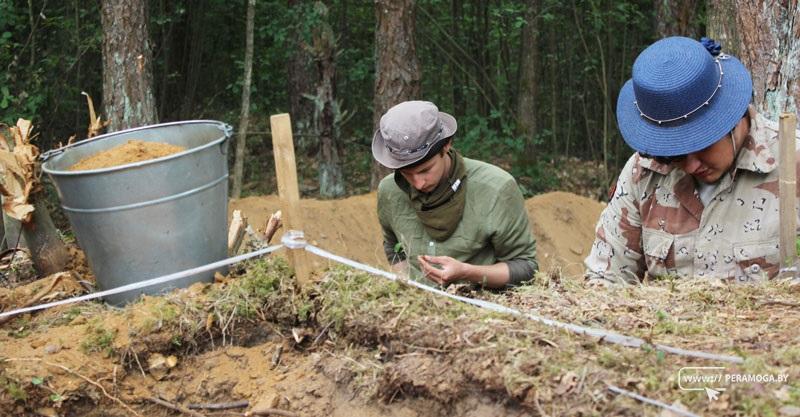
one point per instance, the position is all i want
(756, 155)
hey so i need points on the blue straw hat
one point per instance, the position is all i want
(682, 97)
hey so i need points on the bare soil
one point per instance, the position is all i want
(130, 152)
(563, 224)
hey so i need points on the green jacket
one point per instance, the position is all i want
(494, 227)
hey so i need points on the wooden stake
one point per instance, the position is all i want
(788, 187)
(286, 171)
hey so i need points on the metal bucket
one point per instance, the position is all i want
(150, 218)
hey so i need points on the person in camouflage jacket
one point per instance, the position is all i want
(699, 198)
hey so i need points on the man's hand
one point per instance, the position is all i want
(450, 269)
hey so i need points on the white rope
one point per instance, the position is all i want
(605, 335)
(656, 403)
(147, 283)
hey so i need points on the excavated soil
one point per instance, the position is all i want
(563, 224)
(133, 151)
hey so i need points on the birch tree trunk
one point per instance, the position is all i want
(244, 117)
(766, 38)
(331, 176)
(397, 70)
(128, 97)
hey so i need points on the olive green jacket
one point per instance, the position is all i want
(494, 227)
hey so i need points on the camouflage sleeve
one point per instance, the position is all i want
(616, 253)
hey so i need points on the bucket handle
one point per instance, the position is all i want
(227, 130)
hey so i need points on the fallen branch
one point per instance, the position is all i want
(175, 407)
(85, 378)
(219, 406)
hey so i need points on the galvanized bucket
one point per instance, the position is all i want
(150, 218)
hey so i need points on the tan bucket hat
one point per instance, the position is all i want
(407, 132)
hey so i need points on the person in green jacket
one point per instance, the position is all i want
(446, 218)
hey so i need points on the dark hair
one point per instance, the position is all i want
(435, 149)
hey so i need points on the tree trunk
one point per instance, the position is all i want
(301, 80)
(457, 20)
(194, 52)
(397, 71)
(331, 178)
(767, 41)
(12, 233)
(48, 252)
(244, 117)
(678, 18)
(127, 64)
(529, 81)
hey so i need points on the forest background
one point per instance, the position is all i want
(532, 83)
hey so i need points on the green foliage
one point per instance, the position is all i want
(14, 389)
(470, 64)
(98, 339)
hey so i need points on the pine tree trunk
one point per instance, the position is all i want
(529, 82)
(128, 96)
(194, 53)
(301, 80)
(766, 40)
(397, 70)
(678, 18)
(244, 117)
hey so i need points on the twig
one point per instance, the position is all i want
(175, 407)
(85, 378)
(276, 356)
(319, 336)
(270, 411)
(396, 318)
(539, 408)
(646, 400)
(136, 358)
(219, 406)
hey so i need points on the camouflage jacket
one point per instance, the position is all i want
(656, 223)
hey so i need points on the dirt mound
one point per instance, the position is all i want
(133, 151)
(563, 224)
